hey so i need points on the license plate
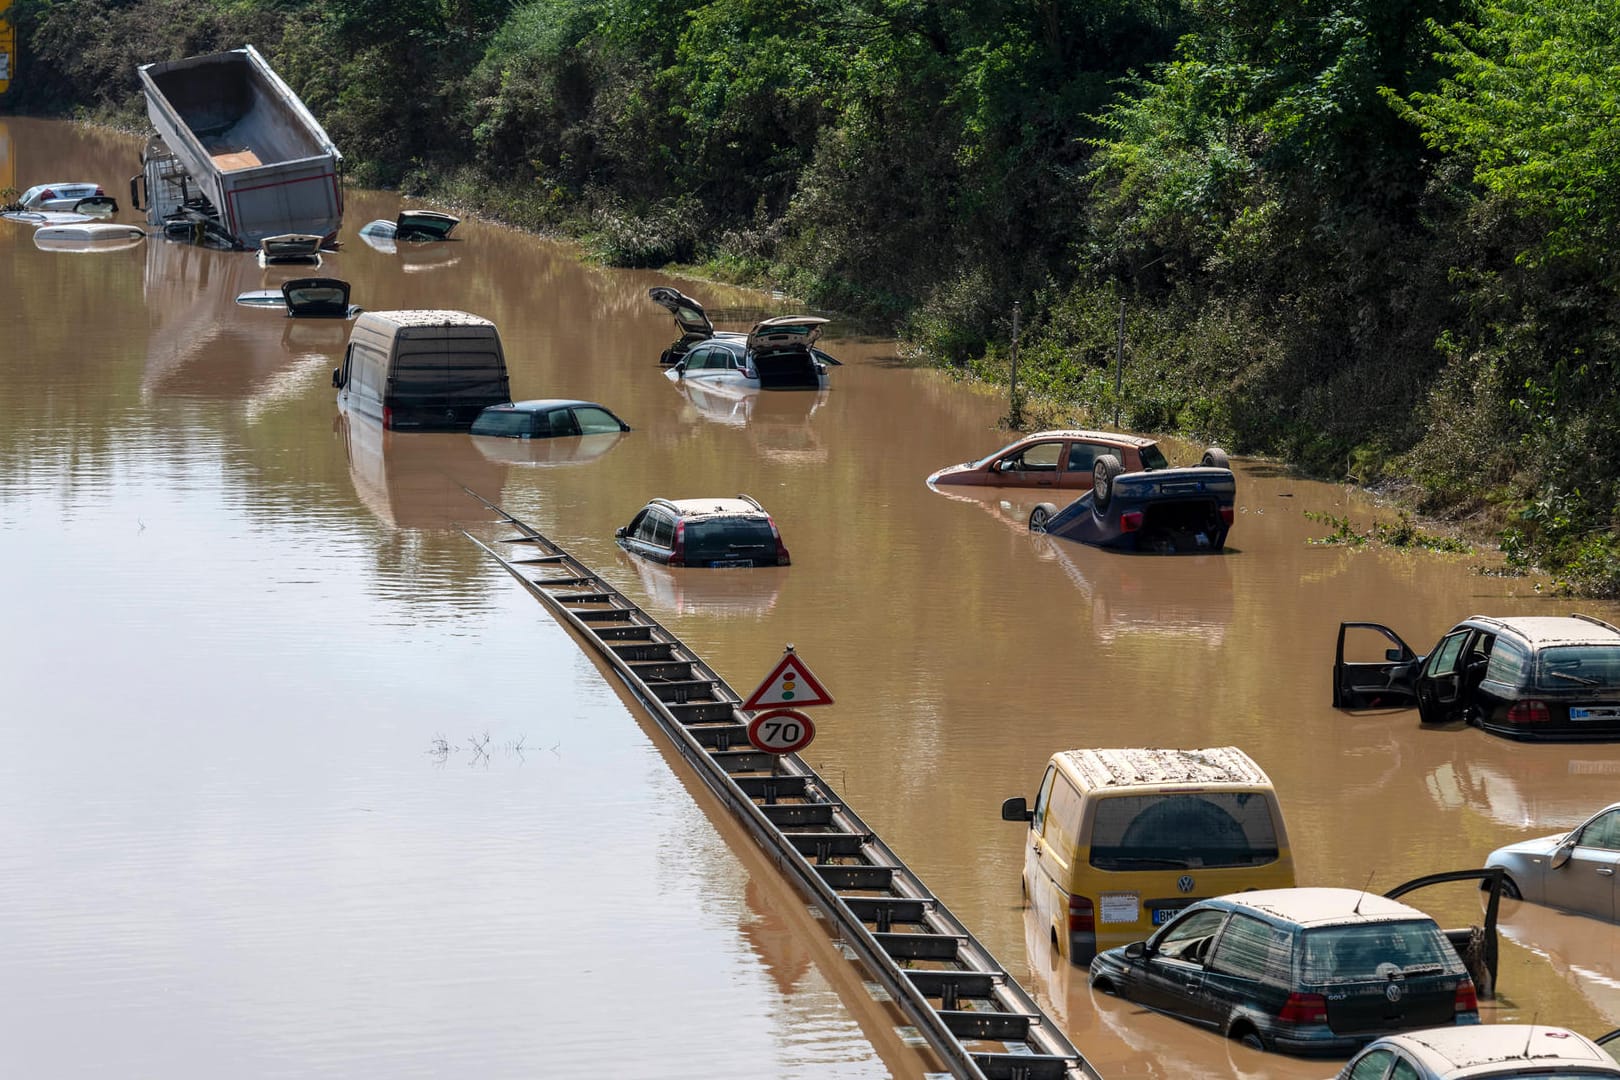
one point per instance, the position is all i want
(1580, 714)
(1162, 915)
(730, 564)
(1594, 714)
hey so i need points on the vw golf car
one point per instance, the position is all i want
(715, 533)
(1119, 841)
(1530, 677)
(1303, 971)
(1575, 871)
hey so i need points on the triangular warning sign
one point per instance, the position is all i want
(791, 683)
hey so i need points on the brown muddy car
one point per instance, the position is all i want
(1057, 459)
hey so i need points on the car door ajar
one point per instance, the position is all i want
(1440, 683)
(1378, 684)
(1586, 882)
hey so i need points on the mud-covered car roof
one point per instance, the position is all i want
(1133, 767)
(1317, 906)
(698, 508)
(1090, 436)
(1541, 1047)
(1542, 630)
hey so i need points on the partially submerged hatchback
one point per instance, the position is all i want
(547, 418)
(1061, 459)
(777, 354)
(305, 298)
(715, 533)
(1523, 677)
(63, 195)
(1303, 971)
(1490, 1052)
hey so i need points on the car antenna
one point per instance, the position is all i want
(1530, 1034)
(1357, 909)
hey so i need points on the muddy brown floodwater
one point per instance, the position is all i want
(297, 783)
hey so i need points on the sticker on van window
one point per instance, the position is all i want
(1121, 907)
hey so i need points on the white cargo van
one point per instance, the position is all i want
(422, 370)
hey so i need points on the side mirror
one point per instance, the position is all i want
(1394, 656)
(1136, 950)
(618, 534)
(1016, 809)
(1565, 850)
(337, 377)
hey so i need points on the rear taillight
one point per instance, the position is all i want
(1227, 515)
(48, 193)
(99, 191)
(1528, 712)
(1467, 1003)
(782, 558)
(1130, 522)
(1304, 1009)
(1082, 916)
(677, 555)
(388, 418)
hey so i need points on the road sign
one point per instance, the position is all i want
(781, 731)
(790, 683)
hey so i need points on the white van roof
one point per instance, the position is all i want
(427, 318)
(1141, 766)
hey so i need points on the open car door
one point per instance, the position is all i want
(1476, 945)
(1389, 683)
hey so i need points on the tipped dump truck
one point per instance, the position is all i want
(236, 156)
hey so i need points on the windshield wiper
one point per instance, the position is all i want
(1573, 678)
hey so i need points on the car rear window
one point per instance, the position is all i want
(1371, 951)
(1183, 830)
(1566, 667)
(721, 538)
(1153, 457)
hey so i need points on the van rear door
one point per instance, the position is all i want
(444, 386)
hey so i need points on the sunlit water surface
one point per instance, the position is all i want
(298, 783)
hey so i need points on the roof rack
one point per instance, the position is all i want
(667, 503)
(1595, 621)
(751, 501)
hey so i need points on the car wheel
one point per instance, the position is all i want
(1103, 471)
(1252, 1040)
(1510, 888)
(1215, 458)
(1039, 516)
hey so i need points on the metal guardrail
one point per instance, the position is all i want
(971, 1012)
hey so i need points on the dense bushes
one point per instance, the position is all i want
(1374, 237)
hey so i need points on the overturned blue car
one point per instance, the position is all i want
(1166, 511)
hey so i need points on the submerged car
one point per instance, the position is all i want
(547, 418)
(59, 196)
(410, 225)
(1574, 870)
(91, 236)
(775, 355)
(305, 298)
(1055, 459)
(296, 249)
(1186, 510)
(716, 533)
(1532, 677)
(1303, 971)
(696, 328)
(1490, 1052)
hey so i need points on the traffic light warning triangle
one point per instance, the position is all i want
(791, 683)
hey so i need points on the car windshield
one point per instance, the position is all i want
(720, 538)
(1176, 831)
(1378, 950)
(1567, 666)
(1153, 457)
(988, 458)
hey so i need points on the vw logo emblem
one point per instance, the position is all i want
(1393, 991)
(1185, 883)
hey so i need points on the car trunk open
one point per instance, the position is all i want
(787, 369)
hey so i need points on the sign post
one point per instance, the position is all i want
(791, 686)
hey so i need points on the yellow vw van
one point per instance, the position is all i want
(1121, 840)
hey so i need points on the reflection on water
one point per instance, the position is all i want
(237, 623)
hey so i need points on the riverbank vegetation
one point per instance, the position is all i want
(1375, 239)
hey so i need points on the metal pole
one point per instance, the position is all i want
(1119, 361)
(1015, 414)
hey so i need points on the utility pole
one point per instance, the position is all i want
(1119, 363)
(1015, 409)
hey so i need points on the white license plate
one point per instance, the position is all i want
(1163, 915)
(730, 564)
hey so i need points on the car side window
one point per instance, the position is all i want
(1043, 799)
(1509, 663)
(1447, 656)
(1371, 1065)
(1253, 949)
(1042, 457)
(698, 359)
(1063, 816)
(1602, 832)
(594, 421)
(1188, 937)
(663, 531)
(1404, 1070)
(561, 422)
(637, 527)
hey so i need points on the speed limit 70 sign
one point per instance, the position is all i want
(781, 731)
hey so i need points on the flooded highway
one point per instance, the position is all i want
(300, 783)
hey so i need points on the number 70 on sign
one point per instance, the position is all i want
(781, 731)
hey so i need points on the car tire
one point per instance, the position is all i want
(1039, 516)
(1215, 458)
(1252, 1040)
(1510, 888)
(1103, 471)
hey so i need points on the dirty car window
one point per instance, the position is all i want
(1153, 457)
(1568, 666)
(1373, 951)
(1183, 831)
